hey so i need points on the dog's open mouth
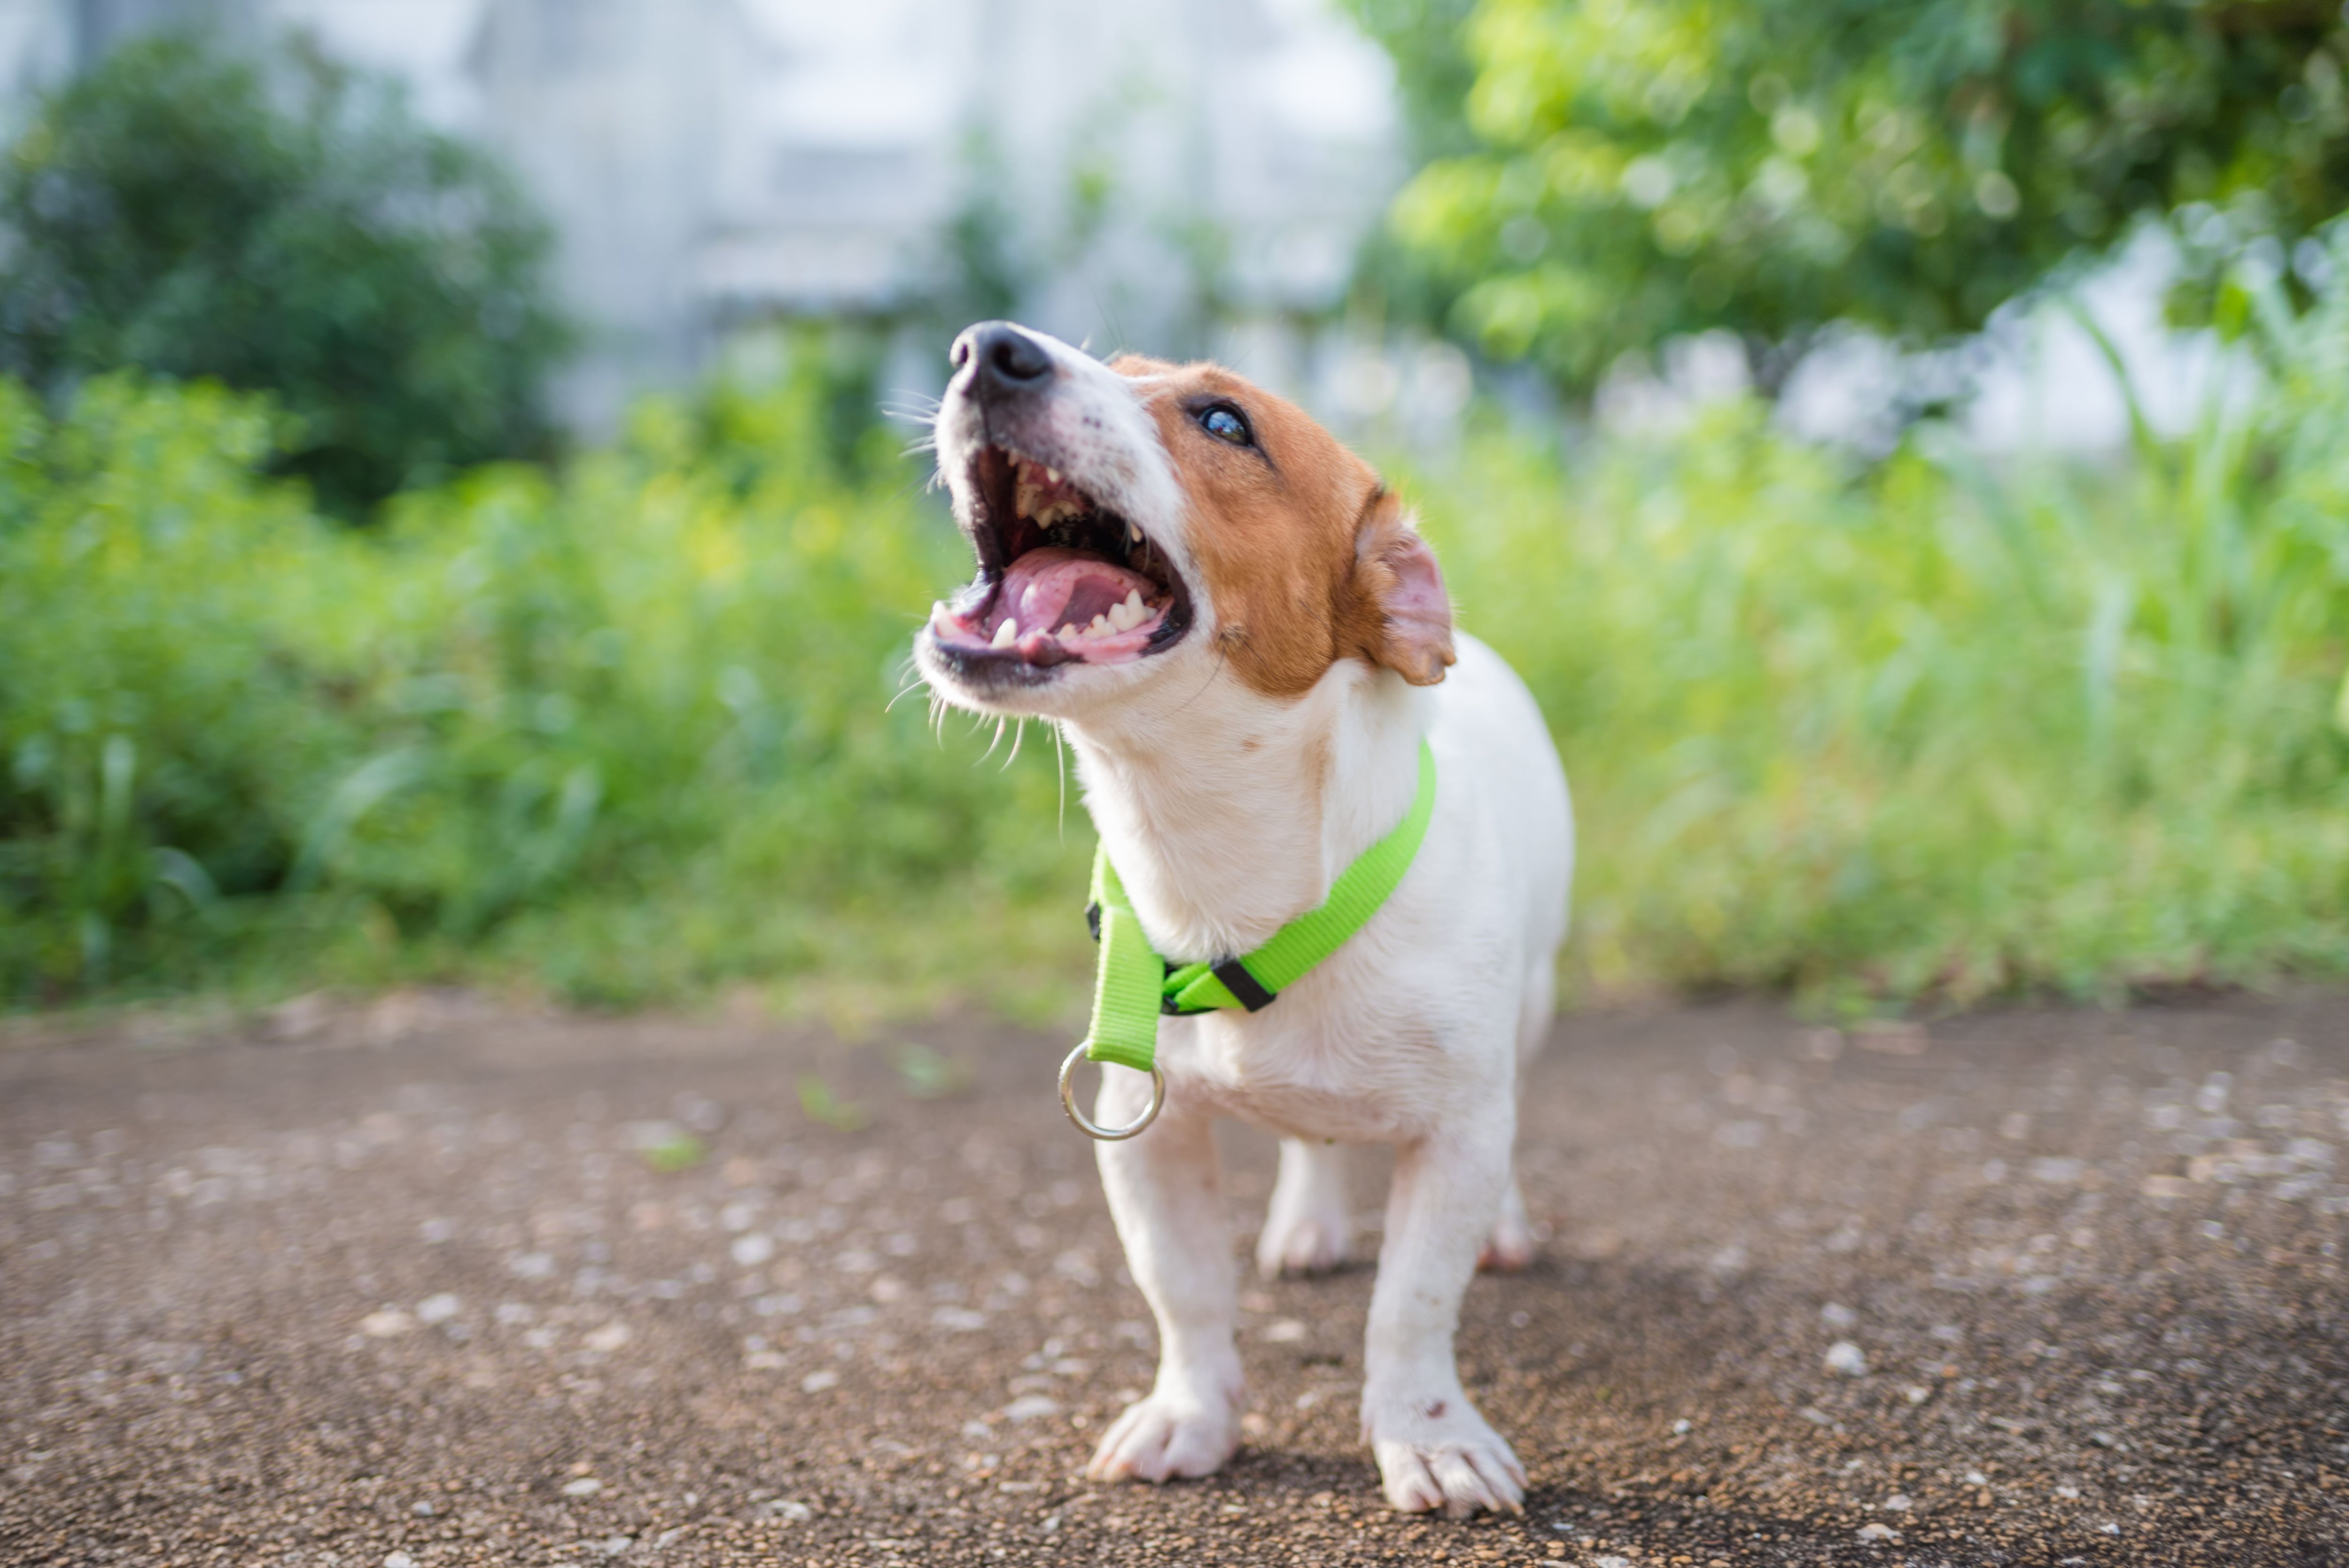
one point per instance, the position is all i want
(1061, 578)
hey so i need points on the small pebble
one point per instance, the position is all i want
(1846, 1359)
(608, 1338)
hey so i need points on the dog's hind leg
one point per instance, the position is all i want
(1307, 1228)
(1163, 1194)
(1510, 1246)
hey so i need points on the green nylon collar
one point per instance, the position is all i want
(1132, 985)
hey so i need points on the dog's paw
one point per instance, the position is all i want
(1166, 1436)
(1303, 1243)
(1439, 1453)
(1510, 1246)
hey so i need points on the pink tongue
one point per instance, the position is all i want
(1046, 590)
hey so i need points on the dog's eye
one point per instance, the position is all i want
(1225, 423)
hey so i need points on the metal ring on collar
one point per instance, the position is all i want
(1089, 1127)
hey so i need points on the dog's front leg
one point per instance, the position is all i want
(1164, 1193)
(1434, 1450)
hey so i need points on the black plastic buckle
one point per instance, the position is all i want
(1243, 985)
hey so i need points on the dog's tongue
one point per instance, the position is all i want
(1045, 590)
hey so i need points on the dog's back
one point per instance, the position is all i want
(1488, 730)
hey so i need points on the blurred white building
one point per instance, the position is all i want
(1169, 175)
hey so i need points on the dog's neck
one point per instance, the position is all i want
(1231, 814)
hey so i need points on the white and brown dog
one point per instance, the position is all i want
(1245, 642)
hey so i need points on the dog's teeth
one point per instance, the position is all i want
(1100, 628)
(1067, 634)
(1133, 534)
(1005, 634)
(1133, 605)
(1054, 475)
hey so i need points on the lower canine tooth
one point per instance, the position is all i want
(1006, 635)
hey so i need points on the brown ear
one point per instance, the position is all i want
(1402, 616)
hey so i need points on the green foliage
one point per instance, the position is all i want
(624, 732)
(1938, 729)
(1672, 166)
(626, 729)
(282, 226)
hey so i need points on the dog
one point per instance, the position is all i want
(1245, 642)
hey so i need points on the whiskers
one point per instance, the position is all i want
(910, 675)
(1061, 772)
(913, 685)
(1018, 727)
(912, 680)
(922, 413)
(911, 408)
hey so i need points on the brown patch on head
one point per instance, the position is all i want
(1307, 559)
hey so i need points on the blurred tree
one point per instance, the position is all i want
(1645, 168)
(281, 224)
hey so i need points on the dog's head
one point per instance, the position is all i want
(1138, 520)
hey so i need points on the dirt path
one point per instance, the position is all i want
(416, 1286)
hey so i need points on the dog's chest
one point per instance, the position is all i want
(1318, 1063)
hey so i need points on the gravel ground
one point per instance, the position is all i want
(423, 1284)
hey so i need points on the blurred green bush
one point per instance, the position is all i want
(1930, 729)
(626, 729)
(282, 224)
(1942, 729)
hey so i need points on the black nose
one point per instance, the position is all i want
(1008, 360)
